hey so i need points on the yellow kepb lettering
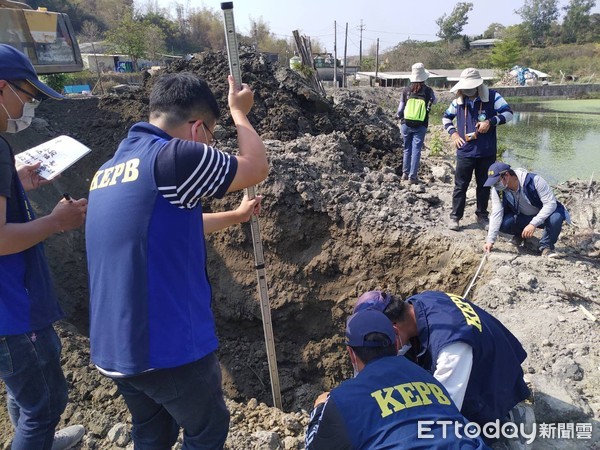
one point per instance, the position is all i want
(388, 404)
(94, 184)
(406, 391)
(119, 169)
(423, 391)
(467, 311)
(106, 177)
(439, 394)
(131, 172)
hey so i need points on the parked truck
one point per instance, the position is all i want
(47, 38)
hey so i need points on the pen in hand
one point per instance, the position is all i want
(68, 197)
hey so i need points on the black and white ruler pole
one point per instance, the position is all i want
(265, 307)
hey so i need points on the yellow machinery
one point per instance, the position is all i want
(47, 38)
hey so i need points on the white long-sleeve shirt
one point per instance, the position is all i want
(453, 370)
(524, 204)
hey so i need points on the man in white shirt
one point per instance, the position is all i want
(521, 202)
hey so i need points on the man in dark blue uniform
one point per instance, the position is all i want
(151, 325)
(391, 403)
(466, 349)
(29, 347)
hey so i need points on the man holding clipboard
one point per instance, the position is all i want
(29, 346)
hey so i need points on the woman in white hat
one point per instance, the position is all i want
(478, 111)
(413, 112)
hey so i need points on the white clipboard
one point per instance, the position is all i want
(56, 155)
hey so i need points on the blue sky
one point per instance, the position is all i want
(391, 21)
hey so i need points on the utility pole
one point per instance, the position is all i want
(344, 83)
(335, 53)
(377, 62)
(361, 28)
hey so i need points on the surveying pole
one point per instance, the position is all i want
(265, 307)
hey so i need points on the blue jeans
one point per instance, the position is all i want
(35, 385)
(189, 396)
(413, 143)
(465, 167)
(552, 227)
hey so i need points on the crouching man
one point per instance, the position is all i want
(521, 202)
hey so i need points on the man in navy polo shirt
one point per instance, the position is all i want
(478, 111)
(151, 326)
(29, 347)
(391, 403)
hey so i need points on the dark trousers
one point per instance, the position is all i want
(189, 396)
(35, 385)
(552, 227)
(464, 172)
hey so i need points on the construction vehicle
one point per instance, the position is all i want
(47, 38)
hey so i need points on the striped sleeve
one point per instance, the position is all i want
(326, 429)
(186, 171)
(503, 111)
(449, 116)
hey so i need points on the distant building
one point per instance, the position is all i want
(484, 43)
(440, 78)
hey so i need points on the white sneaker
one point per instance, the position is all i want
(68, 437)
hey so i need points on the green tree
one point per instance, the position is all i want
(577, 21)
(538, 16)
(169, 32)
(505, 54)
(452, 26)
(494, 30)
(205, 30)
(129, 37)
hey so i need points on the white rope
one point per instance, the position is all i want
(485, 254)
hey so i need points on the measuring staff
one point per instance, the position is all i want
(265, 307)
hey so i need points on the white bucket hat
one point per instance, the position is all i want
(418, 74)
(469, 79)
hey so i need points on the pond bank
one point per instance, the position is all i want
(550, 90)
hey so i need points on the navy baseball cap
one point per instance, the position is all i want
(378, 300)
(494, 172)
(14, 66)
(365, 322)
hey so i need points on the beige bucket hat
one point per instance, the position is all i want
(418, 74)
(469, 79)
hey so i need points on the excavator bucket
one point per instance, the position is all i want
(47, 38)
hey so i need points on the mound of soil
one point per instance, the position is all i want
(336, 221)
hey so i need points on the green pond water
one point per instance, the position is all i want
(559, 139)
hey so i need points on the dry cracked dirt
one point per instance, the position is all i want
(337, 221)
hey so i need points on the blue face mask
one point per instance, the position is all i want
(499, 186)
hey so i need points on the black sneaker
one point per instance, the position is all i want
(483, 222)
(404, 176)
(517, 240)
(453, 225)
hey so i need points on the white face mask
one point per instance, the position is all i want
(23, 122)
(469, 92)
